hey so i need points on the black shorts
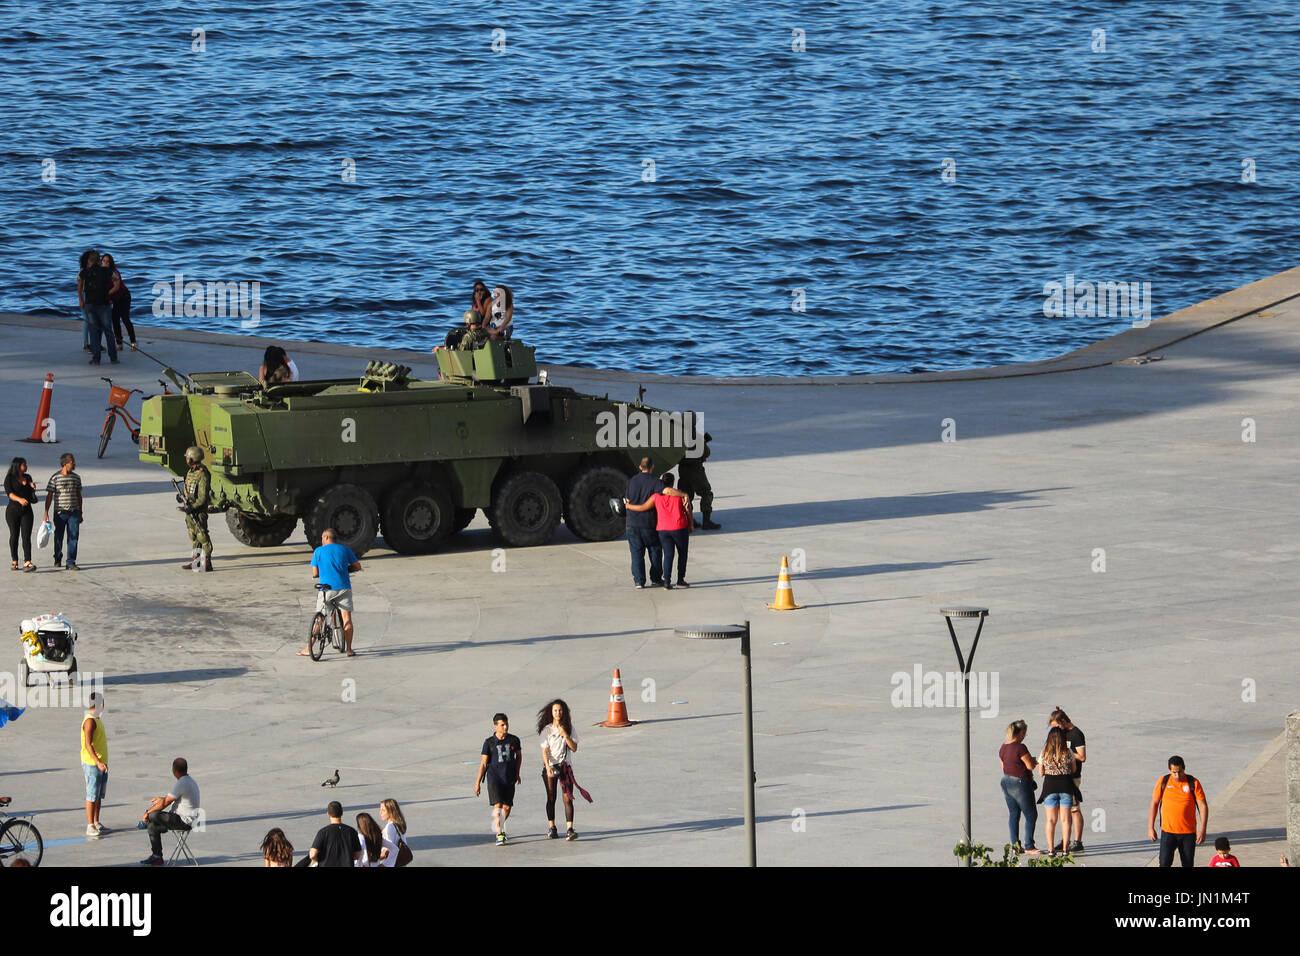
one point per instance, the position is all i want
(502, 793)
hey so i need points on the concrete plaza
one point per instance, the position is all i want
(1183, 644)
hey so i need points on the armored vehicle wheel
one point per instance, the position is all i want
(417, 516)
(257, 533)
(350, 511)
(587, 511)
(526, 509)
(463, 518)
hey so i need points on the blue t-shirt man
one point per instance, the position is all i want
(333, 561)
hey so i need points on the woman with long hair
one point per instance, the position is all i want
(276, 849)
(119, 296)
(481, 301)
(373, 847)
(1018, 785)
(555, 731)
(275, 367)
(394, 830)
(1056, 764)
(20, 495)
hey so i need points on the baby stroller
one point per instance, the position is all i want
(49, 644)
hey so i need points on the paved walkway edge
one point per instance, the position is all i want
(1230, 307)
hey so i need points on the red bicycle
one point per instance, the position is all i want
(117, 399)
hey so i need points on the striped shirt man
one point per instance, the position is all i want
(64, 492)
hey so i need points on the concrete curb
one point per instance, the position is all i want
(1161, 333)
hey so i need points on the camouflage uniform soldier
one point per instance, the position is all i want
(695, 483)
(198, 482)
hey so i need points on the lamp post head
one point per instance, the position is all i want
(964, 610)
(721, 632)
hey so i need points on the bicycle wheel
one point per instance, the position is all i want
(340, 638)
(109, 421)
(318, 636)
(20, 838)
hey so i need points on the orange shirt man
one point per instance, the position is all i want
(1179, 799)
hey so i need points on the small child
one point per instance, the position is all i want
(1222, 856)
(500, 764)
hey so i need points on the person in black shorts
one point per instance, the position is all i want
(500, 764)
(1074, 739)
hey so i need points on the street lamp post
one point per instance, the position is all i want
(731, 632)
(965, 664)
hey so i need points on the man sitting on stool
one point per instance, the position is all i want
(184, 803)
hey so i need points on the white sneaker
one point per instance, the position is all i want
(91, 832)
(100, 827)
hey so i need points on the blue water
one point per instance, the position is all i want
(774, 169)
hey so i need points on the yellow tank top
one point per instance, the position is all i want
(99, 738)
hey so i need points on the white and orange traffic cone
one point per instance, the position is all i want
(784, 599)
(43, 410)
(617, 705)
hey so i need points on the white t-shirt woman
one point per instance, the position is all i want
(552, 740)
(385, 844)
(391, 838)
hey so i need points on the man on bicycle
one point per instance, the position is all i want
(198, 484)
(332, 563)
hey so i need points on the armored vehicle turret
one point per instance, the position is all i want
(413, 460)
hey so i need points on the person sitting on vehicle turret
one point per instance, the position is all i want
(275, 367)
(503, 313)
(481, 302)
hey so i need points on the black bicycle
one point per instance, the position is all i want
(19, 837)
(326, 628)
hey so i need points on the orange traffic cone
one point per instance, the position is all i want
(617, 705)
(43, 410)
(784, 599)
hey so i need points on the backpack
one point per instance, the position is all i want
(95, 283)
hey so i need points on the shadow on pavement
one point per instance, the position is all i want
(801, 514)
(1152, 847)
(723, 823)
(167, 677)
(442, 648)
(17, 773)
(669, 720)
(852, 571)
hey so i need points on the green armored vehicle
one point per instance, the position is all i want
(414, 459)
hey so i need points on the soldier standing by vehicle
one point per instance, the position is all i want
(696, 484)
(194, 502)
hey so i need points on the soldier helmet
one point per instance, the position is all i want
(472, 317)
(194, 453)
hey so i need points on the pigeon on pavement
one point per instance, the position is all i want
(332, 781)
